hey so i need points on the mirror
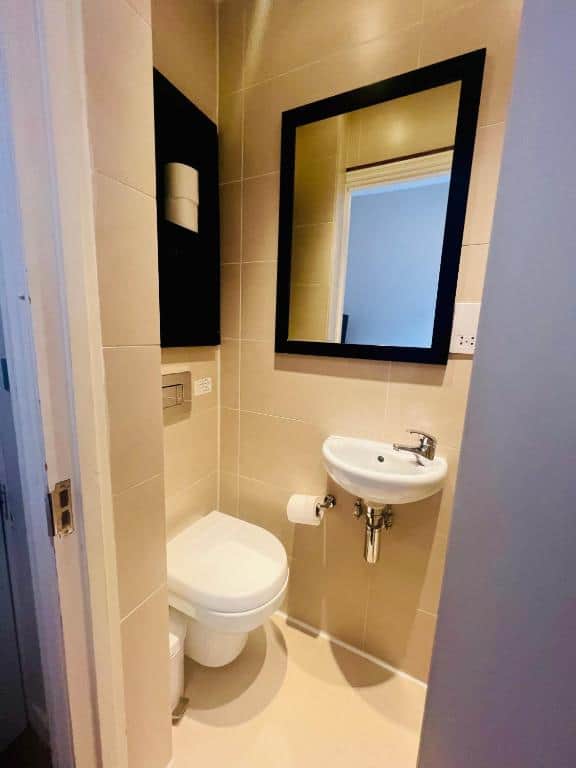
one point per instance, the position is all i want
(373, 196)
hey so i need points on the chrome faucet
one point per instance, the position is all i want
(425, 448)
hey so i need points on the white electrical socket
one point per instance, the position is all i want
(202, 386)
(465, 327)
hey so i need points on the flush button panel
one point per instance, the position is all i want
(175, 389)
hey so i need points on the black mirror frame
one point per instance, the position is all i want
(468, 69)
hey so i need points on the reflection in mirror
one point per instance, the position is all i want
(369, 211)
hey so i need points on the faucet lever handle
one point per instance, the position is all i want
(423, 436)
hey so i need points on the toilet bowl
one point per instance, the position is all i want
(227, 577)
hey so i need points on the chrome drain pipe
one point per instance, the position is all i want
(377, 518)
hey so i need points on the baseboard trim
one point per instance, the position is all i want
(309, 629)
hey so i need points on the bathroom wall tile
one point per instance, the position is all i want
(135, 414)
(329, 578)
(191, 449)
(229, 493)
(190, 503)
(178, 28)
(431, 398)
(430, 595)
(483, 184)
(282, 452)
(297, 34)
(342, 396)
(230, 298)
(146, 683)
(472, 272)
(265, 505)
(398, 581)
(127, 256)
(140, 533)
(230, 123)
(312, 253)
(143, 7)
(452, 456)
(491, 24)
(229, 373)
(202, 362)
(260, 218)
(230, 222)
(229, 426)
(258, 300)
(419, 651)
(231, 44)
(351, 68)
(120, 109)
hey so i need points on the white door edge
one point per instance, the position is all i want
(47, 187)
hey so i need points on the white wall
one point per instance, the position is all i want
(504, 665)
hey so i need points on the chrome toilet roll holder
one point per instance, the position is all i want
(329, 502)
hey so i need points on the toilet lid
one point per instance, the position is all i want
(225, 564)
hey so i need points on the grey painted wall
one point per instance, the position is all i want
(503, 681)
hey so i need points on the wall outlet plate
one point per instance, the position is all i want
(465, 327)
(203, 386)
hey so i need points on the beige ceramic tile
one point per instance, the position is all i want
(260, 218)
(297, 34)
(282, 452)
(265, 505)
(190, 449)
(230, 222)
(135, 414)
(296, 690)
(431, 398)
(185, 49)
(230, 124)
(452, 456)
(315, 189)
(420, 645)
(228, 493)
(258, 300)
(472, 271)
(127, 256)
(120, 109)
(201, 362)
(229, 425)
(140, 533)
(143, 7)
(341, 396)
(483, 184)
(230, 300)
(191, 503)
(146, 683)
(329, 577)
(352, 68)
(312, 253)
(231, 44)
(230, 373)
(491, 24)
(430, 595)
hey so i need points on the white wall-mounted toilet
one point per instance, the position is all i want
(227, 576)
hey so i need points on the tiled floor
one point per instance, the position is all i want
(292, 700)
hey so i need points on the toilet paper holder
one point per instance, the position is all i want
(329, 502)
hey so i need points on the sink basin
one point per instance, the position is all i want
(377, 473)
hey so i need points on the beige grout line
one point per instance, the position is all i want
(157, 476)
(140, 604)
(98, 172)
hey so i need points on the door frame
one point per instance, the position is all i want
(50, 311)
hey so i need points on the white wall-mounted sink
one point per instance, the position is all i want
(377, 473)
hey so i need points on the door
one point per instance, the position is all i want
(12, 708)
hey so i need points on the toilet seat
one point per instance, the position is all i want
(221, 564)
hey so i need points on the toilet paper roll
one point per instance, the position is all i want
(302, 509)
(181, 181)
(183, 212)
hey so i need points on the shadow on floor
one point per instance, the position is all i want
(238, 692)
